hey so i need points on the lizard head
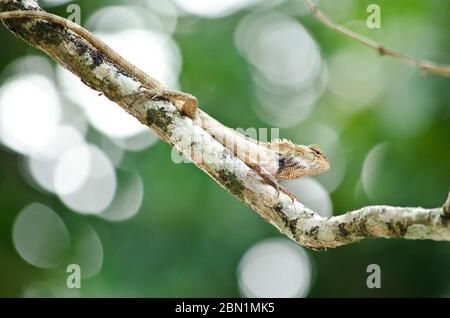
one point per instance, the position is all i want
(296, 161)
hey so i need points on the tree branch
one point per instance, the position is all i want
(423, 65)
(446, 208)
(292, 218)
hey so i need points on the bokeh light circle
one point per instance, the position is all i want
(275, 268)
(128, 198)
(287, 67)
(312, 194)
(30, 111)
(40, 236)
(87, 251)
(217, 8)
(85, 179)
(42, 163)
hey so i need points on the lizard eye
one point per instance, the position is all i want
(316, 149)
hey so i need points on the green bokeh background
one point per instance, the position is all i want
(189, 235)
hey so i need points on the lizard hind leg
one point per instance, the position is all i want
(188, 104)
(185, 102)
(278, 187)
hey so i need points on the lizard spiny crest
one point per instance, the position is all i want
(282, 144)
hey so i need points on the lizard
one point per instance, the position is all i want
(276, 160)
(279, 159)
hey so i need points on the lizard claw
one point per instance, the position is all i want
(269, 179)
(291, 195)
(280, 188)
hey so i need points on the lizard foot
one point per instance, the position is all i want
(290, 194)
(269, 179)
(279, 189)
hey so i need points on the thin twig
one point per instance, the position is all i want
(423, 65)
(291, 217)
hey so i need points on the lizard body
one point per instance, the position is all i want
(279, 159)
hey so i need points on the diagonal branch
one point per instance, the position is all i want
(291, 217)
(446, 208)
(423, 65)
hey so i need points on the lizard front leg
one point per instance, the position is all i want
(270, 180)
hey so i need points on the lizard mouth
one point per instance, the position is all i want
(319, 157)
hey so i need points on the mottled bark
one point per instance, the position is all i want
(446, 208)
(291, 218)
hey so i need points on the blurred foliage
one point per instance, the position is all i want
(189, 235)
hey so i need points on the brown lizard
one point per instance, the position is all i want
(279, 159)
